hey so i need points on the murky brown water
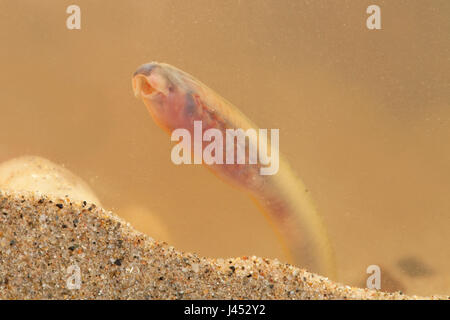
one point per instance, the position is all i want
(364, 118)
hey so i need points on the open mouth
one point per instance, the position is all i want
(142, 86)
(150, 85)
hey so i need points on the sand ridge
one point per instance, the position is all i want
(42, 237)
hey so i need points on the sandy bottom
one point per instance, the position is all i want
(56, 249)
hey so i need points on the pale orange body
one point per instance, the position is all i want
(175, 100)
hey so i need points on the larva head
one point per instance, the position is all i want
(166, 92)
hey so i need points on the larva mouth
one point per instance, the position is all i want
(148, 86)
(142, 87)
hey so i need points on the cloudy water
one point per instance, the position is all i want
(364, 119)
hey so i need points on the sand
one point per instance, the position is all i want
(45, 241)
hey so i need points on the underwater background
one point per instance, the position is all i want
(364, 119)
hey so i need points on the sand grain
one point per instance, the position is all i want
(40, 238)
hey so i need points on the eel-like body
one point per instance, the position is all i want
(175, 100)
